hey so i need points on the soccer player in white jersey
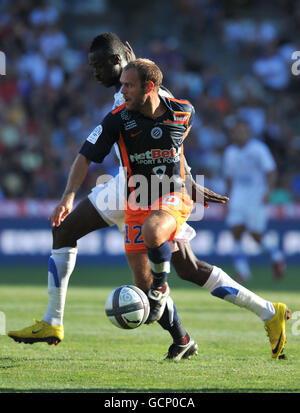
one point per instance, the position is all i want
(250, 171)
(108, 56)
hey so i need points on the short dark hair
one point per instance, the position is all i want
(108, 42)
(147, 70)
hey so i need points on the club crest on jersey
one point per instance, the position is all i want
(156, 133)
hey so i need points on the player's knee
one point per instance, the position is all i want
(63, 237)
(152, 235)
(158, 228)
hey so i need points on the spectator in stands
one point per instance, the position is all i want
(48, 99)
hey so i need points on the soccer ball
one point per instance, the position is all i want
(127, 307)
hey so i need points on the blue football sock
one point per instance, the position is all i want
(170, 322)
(160, 258)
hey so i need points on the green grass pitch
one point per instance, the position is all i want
(95, 356)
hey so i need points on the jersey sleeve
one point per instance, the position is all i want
(267, 161)
(191, 118)
(100, 141)
(163, 91)
(188, 117)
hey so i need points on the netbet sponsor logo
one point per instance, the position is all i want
(156, 156)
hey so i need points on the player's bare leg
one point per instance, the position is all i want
(81, 221)
(156, 231)
(141, 271)
(276, 255)
(188, 266)
(183, 345)
(221, 285)
(158, 227)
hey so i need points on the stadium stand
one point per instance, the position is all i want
(220, 57)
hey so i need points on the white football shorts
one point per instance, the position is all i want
(108, 200)
(254, 216)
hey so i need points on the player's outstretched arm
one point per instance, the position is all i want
(200, 193)
(76, 177)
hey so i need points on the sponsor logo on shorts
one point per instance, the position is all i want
(171, 200)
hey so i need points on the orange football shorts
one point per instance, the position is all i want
(176, 204)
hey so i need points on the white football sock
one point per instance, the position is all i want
(221, 285)
(60, 267)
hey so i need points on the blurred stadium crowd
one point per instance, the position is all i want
(229, 60)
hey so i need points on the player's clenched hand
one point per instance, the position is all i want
(61, 211)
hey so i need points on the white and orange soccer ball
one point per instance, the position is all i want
(127, 307)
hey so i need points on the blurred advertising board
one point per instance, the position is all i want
(25, 236)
